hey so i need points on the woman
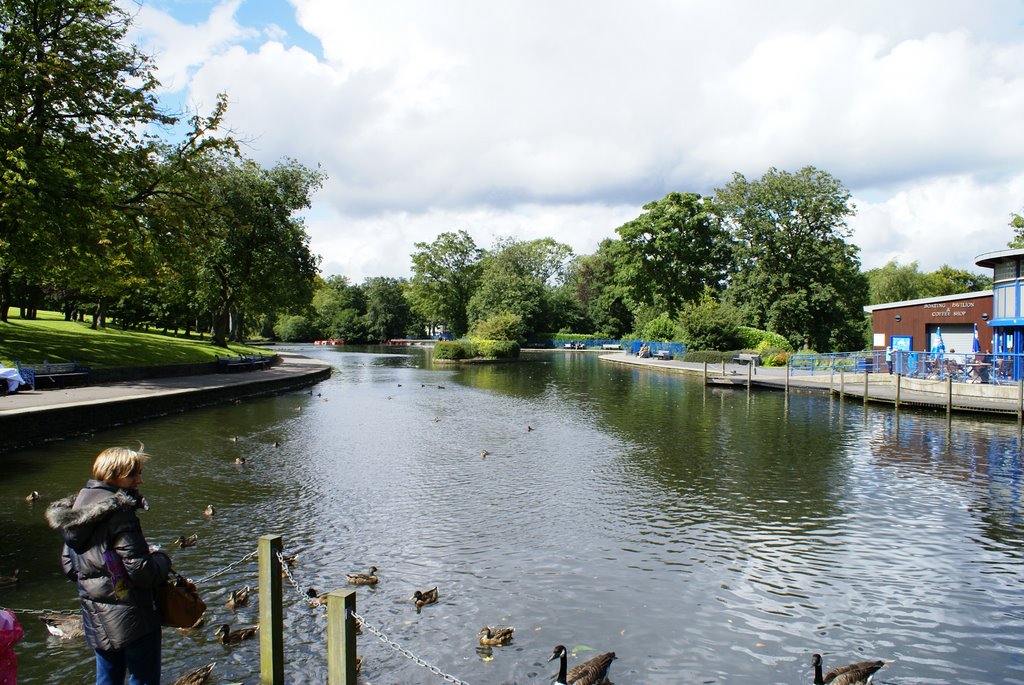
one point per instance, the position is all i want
(116, 571)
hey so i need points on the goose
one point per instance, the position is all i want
(590, 672)
(859, 673)
(238, 598)
(190, 541)
(209, 510)
(233, 438)
(494, 637)
(64, 626)
(239, 460)
(277, 443)
(196, 677)
(10, 580)
(32, 496)
(226, 636)
(427, 597)
(363, 578)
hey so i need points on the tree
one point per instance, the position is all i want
(445, 277)
(949, 281)
(601, 298)
(387, 311)
(1017, 224)
(673, 251)
(795, 272)
(895, 283)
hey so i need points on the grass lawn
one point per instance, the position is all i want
(51, 338)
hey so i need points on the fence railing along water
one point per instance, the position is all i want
(971, 367)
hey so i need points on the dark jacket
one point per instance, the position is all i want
(99, 520)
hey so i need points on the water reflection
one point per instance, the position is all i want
(704, 535)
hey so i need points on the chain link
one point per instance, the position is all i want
(405, 652)
(294, 583)
(211, 576)
(66, 612)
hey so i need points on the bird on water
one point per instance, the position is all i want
(590, 672)
(363, 578)
(495, 637)
(425, 597)
(196, 677)
(859, 673)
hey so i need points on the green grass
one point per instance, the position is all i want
(51, 338)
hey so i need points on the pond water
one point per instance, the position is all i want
(705, 536)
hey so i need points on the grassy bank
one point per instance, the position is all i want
(52, 338)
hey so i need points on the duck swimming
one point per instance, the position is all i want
(226, 636)
(363, 578)
(196, 677)
(426, 597)
(64, 626)
(238, 598)
(190, 541)
(494, 637)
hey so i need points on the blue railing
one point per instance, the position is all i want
(974, 367)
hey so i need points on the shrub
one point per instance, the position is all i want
(453, 349)
(709, 356)
(294, 329)
(659, 328)
(711, 325)
(497, 349)
(758, 339)
(774, 357)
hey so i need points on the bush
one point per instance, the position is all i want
(454, 349)
(660, 328)
(709, 356)
(497, 349)
(711, 325)
(771, 356)
(504, 326)
(294, 329)
(757, 339)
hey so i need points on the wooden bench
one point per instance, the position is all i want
(52, 375)
(747, 358)
(663, 355)
(243, 362)
(611, 346)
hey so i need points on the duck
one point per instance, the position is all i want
(426, 597)
(32, 496)
(233, 438)
(277, 443)
(529, 428)
(196, 677)
(11, 579)
(315, 598)
(363, 578)
(238, 598)
(209, 510)
(859, 673)
(226, 636)
(239, 460)
(64, 626)
(590, 672)
(494, 637)
(190, 541)
(484, 453)
(200, 622)
(289, 562)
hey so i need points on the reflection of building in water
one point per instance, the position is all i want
(982, 460)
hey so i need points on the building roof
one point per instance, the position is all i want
(928, 300)
(990, 259)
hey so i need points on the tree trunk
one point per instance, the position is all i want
(5, 294)
(221, 324)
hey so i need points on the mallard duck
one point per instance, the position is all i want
(32, 496)
(64, 626)
(859, 673)
(426, 597)
(238, 598)
(196, 677)
(316, 599)
(590, 672)
(240, 460)
(200, 622)
(226, 636)
(494, 637)
(363, 578)
(209, 510)
(484, 453)
(190, 541)
(10, 580)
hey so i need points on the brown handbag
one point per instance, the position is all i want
(179, 601)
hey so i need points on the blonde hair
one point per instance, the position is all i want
(118, 462)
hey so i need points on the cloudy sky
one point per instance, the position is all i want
(561, 118)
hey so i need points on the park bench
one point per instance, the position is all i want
(611, 346)
(52, 375)
(663, 355)
(747, 358)
(243, 362)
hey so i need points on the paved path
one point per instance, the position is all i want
(29, 417)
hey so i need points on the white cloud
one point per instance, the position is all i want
(545, 118)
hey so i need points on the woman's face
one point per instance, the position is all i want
(130, 482)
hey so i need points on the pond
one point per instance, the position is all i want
(705, 536)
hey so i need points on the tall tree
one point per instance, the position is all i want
(895, 282)
(673, 251)
(445, 276)
(602, 299)
(796, 274)
(387, 310)
(949, 281)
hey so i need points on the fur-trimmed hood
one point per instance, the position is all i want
(95, 503)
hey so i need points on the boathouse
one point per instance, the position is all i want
(925, 324)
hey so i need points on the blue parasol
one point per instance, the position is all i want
(939, 346)
(976, 345)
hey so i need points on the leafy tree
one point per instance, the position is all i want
(387, 311)
(445, 277)
(294, 328)
(1017, 224)
(500, 327)
(600, 296)
(795, 272)
(672, 251)
(338, 308)
(708, 324)
(949, 281)
(895, 283)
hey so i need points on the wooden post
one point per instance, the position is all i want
(1020, 400)
(842, 383)
(865, 385)
(787, 379)
(750, 365)
(271, 612)
(949, 395)
(341, 638)
(705, 372)
(899, 376)
(723, 366)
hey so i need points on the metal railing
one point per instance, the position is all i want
(969, 367)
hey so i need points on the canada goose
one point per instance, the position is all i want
(10, 580)
(226, 636)
(209, 510)
(363, 578)
(239, 460)
(238, 598)
(196, 677)
(316, 599)
(64, 626)
(427, 597)
(277, 443)
(32, 496)
(590, 672)
(859, 673)
(190, 541)
(233, 438)
(496, 636)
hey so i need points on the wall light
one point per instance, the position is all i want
(899, 318)
(984, 316)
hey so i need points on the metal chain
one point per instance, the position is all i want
(405, 652)
(211, 576)
(291, 579)
(68, 612)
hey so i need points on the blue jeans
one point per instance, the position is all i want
(141, 659)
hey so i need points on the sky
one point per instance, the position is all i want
(562, 118)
